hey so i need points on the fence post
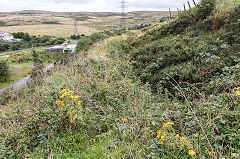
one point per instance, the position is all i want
(194, 3)
(184, 7)
(170, 14)
(189, 5)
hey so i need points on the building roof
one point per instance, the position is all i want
(64, 47)
(57, 47)
(71, 46)
(5, 33)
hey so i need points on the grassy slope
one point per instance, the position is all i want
(121, 117)
(107, 91)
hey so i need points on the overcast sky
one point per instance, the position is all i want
(89, 5)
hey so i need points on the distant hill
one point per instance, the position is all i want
(40, 22)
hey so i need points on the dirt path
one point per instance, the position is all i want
(100, 50)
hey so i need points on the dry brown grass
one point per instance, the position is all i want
(52, 30)
(33, 23)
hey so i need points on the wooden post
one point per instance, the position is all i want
(189, 5)
(194, 3)
(170, 14)
(184, 7)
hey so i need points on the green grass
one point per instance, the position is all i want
(17, 74)
(25, 66)
(120, 114)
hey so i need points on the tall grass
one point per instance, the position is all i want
(122, 117)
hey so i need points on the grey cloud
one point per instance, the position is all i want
(90, 5)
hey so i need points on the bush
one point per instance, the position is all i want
(4, 72)
(84, 43)
(97, 36)
(204, 9)
(32, 40)
(4, 47)
(77, 37)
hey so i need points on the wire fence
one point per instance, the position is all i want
(172, 14)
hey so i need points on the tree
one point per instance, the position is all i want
(4, 72)
(27, 37)
(59, 41)
(4, 47)
(36, 59)
(38, 69)
(84, 43)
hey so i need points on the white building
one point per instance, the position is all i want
(64, 48)
(71, 48)
(6, 37)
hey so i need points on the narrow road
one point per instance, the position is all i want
(24, 81)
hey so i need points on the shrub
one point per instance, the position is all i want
(204, 9)
(97, 36)
(51, 22)
(77, 37)
(4, 72)
(2, 23)
(4, 47)
(84, 43)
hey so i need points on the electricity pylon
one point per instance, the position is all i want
(123, 14)
(75, 30)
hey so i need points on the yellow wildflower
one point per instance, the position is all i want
(124, 120)
(177, 136)
(235, 102)
(80, 102)
(163, 138)
(170, 123)
(200, 47)
(62, 96)
(238, 129)
(70, 92)
(167, 124)
(159, 134)
(238, 93)
(211, 153)
(183, 139)
(218, 39)
(221, 53)
(76, 98)
(191, 152)
(63, 91)
(178, 35)
(60, 103)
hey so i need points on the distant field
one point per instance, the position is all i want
(62, 24)
(49, 29)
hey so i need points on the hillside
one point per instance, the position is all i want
(168, 91)
(61, 24)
